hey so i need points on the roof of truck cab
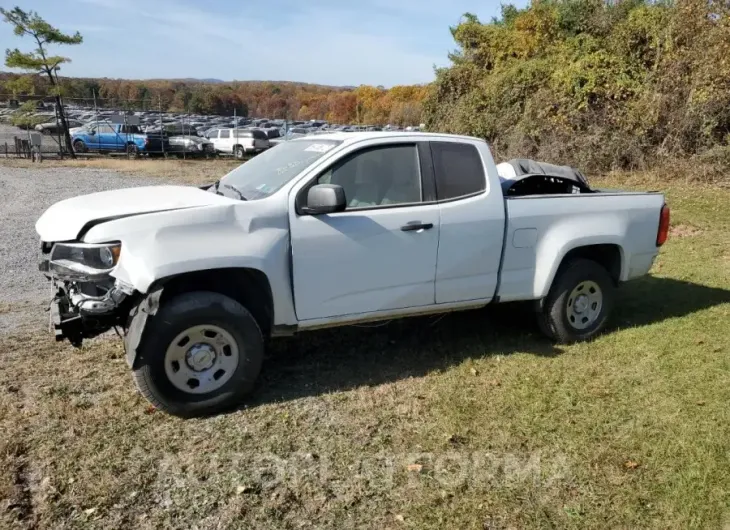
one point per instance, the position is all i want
(352, 137)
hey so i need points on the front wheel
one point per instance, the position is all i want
(79, 146)
(579, 303)
(239, 152)
(199, 355)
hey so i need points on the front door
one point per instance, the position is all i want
(378, 255)
(107, 137)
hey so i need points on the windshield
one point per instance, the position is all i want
(266, 173)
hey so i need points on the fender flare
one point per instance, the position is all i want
(146, 308)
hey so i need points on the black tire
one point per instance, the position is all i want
(239, 152)
(79, 146)
(179, 314)
(554, 320)
(132, 151)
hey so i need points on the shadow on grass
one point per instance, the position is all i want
(325, 361)
(649, 300)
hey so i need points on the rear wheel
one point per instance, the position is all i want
(132, 151)
(239, 152)
(199, 355)
(579, 303)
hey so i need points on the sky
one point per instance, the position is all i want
(332, 42)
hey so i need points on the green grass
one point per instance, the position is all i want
(471, 421)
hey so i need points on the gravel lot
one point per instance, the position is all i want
(24, 196)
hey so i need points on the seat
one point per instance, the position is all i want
(366, 189)
(404, 185)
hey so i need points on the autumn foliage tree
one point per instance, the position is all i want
(592, 83)
(39, 61)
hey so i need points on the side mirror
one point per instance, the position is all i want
(92, 133)
(325, 198)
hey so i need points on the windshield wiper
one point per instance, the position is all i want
(234, 190)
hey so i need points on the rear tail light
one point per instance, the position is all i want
(663, 232)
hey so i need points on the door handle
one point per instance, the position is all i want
(416, 225)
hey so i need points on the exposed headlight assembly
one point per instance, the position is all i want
(84, 261)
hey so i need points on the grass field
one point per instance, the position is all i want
(469, 421)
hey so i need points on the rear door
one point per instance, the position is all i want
(106, 136)
(472, 223)
(379, 254)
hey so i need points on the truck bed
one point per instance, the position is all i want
(542, 229)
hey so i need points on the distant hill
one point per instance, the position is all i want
(196, 80)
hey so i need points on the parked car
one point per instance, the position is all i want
(238, 142)
(192, 146)
(129, 139)
(53, 127)
(325, 231)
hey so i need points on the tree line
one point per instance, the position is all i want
(400, 105)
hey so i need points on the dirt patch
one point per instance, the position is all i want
(685, 231)
(19, 501)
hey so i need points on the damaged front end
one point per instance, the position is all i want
(87, 300)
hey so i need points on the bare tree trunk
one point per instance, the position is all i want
(64, 126)
(59, 106)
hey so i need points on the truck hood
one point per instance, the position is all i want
(64, 220)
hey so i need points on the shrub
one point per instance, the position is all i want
(602, 85)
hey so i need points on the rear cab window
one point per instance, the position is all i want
(130, 129)
(458, 169)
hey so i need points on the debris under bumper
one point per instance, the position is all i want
(77, 315)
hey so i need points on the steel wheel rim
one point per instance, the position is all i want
(201, 359)
(584, 305)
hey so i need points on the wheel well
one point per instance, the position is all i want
(608, 256)
(249, 287)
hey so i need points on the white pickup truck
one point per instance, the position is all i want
(329, 231)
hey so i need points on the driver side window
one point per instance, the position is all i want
(379, 176)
